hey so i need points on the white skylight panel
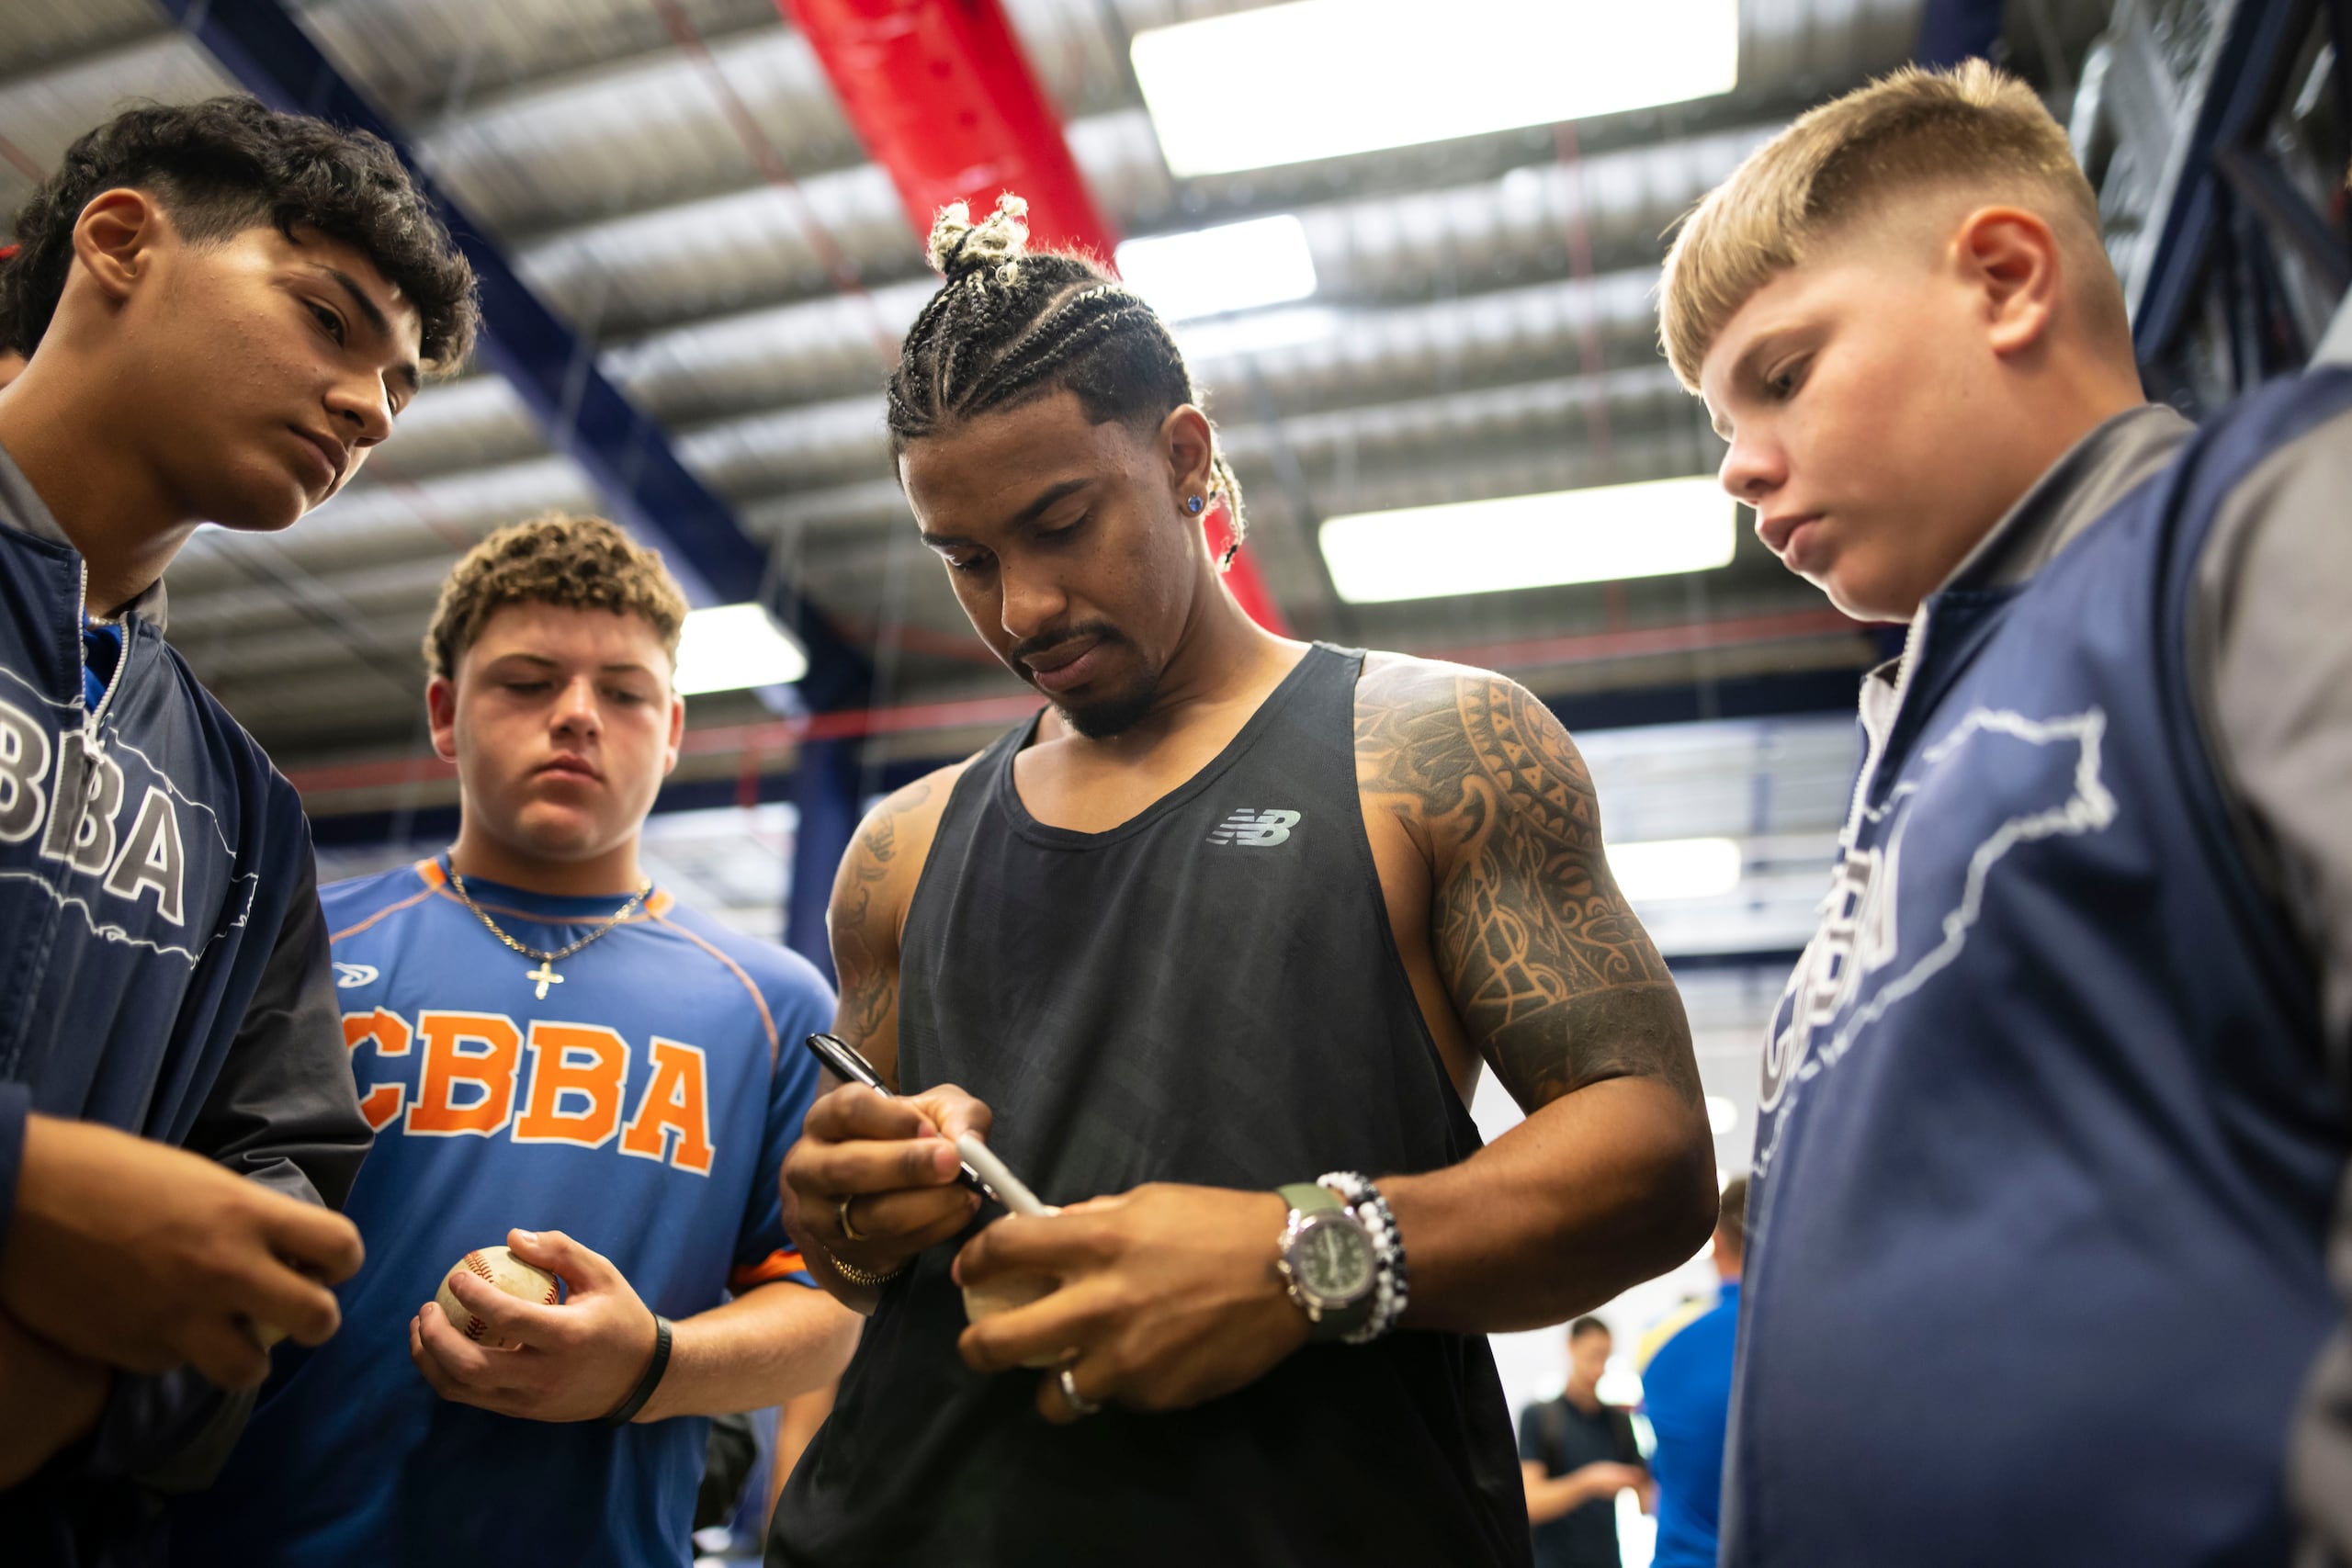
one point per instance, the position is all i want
(1326, 78)
(729, 647)
(1531, 541)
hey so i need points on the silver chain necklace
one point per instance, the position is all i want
(545, 973)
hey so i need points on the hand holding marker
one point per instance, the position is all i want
(982, 1172)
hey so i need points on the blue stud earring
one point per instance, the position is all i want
(1192, 504)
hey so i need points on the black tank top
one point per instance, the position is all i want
(1207, 993)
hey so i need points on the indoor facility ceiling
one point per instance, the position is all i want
(675, 178)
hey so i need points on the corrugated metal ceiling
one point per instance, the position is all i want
(673, 176)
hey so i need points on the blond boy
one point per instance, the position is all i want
(2051, 1121)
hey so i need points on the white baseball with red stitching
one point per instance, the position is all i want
(493, 1266)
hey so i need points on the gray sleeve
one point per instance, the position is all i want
(2271, 645)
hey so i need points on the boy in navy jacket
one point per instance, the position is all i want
(224, 311)
(2059, 1070)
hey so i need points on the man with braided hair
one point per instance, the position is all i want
(1212, 952)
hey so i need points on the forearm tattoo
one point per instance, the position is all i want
(863, 963)
(1550, 971)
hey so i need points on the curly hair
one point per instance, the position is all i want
(1012, 324)
(228, 164)
(581, 563)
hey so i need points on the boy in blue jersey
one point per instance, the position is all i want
(2065, 1054)
(224, 308)
(556, 1056)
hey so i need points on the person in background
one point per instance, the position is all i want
(731, 1455)
(1686, 1392)
(1578, 1454)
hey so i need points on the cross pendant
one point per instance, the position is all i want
(545, 976)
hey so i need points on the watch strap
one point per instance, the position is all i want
(1309, 1198)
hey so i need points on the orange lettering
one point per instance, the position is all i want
(436, 1114)
(675, 1101)
(381, 1104)
(586, 1061)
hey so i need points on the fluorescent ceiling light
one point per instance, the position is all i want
(1675, 868)
(1235, 266)
(1260, 331)
(1325, 78)
(1531, 541)
(1722, 1114)
(729, 647)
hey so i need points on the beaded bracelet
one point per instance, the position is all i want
(1390, 1281)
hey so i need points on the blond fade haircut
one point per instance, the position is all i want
(1970, 129)
(580, 563)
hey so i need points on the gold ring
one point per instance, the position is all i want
(841, 1212)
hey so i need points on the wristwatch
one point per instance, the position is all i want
(1329, 1261)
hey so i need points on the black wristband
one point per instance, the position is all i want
(626, 1411)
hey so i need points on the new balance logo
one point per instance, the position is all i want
(1259, 830)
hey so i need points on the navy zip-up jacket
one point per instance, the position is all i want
(2047, 1106)
(164, 963)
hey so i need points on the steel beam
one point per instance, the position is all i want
(1951, 31)
(825, 801)
(2238, 86)
(554, 369)
(2257, 183)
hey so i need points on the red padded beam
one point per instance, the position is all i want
(942, 96)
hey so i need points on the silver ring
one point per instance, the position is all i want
(1079, 1403)
(841, 1212)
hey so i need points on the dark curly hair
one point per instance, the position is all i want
(227, 165)
(1012, 324)
(579, 563)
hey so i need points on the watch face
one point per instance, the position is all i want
(1332, 1257)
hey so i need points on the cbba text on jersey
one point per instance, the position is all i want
(470, 1083)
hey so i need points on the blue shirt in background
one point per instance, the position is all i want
(1686, 1392)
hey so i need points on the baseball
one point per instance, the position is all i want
(1013, 1290)
(1003, 1296)
(494, 1266)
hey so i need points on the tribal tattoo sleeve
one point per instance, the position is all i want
(1550, 971)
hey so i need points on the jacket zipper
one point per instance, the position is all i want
(82, 664)
(1913, 638)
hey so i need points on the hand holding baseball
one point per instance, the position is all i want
(49, 1400)
(573, 1361)
(137, 1255)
